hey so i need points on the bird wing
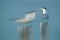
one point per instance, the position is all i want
(30, 16)
(23, 20)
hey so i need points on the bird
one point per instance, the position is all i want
(44, 12)
(29, 16)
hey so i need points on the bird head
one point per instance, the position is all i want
(43, 10)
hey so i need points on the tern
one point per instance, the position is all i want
(30, 16)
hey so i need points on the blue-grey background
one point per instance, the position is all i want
(11, 9)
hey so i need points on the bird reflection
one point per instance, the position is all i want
(25, 32)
